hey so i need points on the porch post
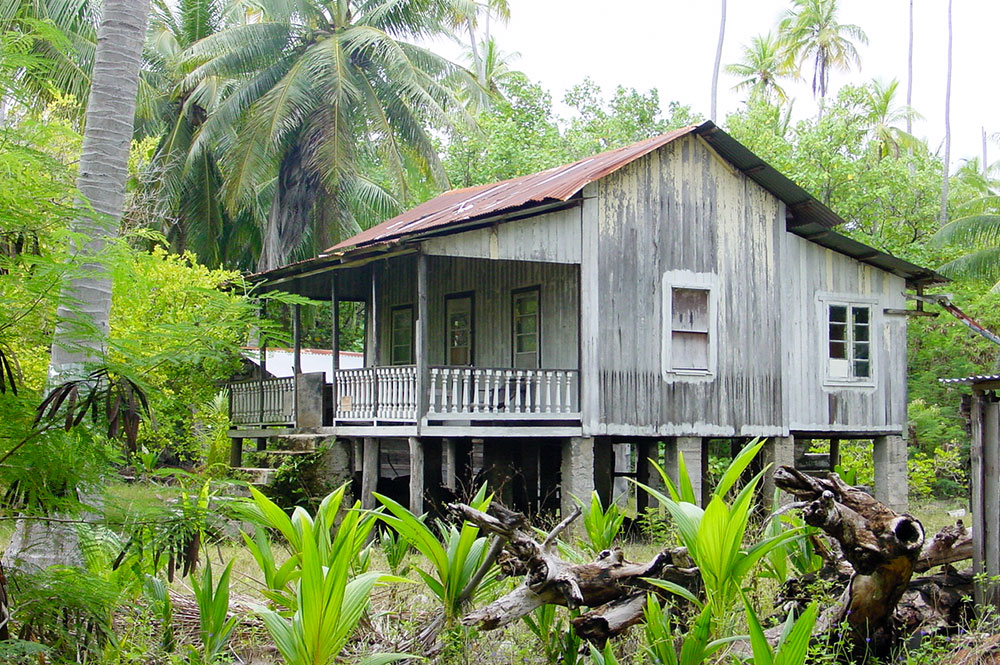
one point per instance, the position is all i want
(450, 463)
(334, 344)
(297, 338)
(369, 472)
(262, 349)
(423, 370)
(416, 476)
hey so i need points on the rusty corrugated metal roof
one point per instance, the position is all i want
(460, 205)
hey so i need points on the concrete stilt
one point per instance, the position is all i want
(369, 472)
(890, 472)
(577, 471)
(696, 462)
(450, 455)
(777, 451)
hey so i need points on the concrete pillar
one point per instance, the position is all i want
(604, 470)
(891, 486)
(450, 455)
(577, 471)
(336, 461)
(369, 472)
(695, 461)
(777, 451)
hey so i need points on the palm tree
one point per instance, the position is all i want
(943, 217)
(718, 61)
(761, 68)
(810, 31)
(466, 13)
(320, 87)
(186, 178)
(85, 308)
(497, 73)
(881, 114)
(909, 73)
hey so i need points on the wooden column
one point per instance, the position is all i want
(374, 316)
(262, 349)
(236, 452)
(986, 495)
(297, 339)
(834, 453)
(421, 465)
(369, 472)
(423, 369)
(334, 342)
(604, 471)
(450, 455)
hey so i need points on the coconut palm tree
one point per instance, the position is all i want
(185, 178)
(943, 217)
(718, 61)
(319, 88)
(810, 30)
(881, 113)
(85, 308)
(761, 68)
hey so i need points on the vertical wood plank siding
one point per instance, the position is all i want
(812, 270)
(683, 208)
(491, 282)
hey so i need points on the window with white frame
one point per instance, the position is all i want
(689, 322)
(849, 341)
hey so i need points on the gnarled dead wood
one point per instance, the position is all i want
(949, 545)
(610, 584)
(881, 545)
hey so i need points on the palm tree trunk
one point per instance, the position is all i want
(85, 306)
(943, 219)
(909, 77)
(477, 59)
(718, 63)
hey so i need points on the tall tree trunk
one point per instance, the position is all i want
(947, 130)
(718, 64)
(85, 306)
(477, 58)
(909, 77)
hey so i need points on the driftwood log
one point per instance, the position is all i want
(881, 545)
(612, 586)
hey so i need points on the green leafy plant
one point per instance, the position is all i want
(661, 636)
(798, 552)
(458, 558)
(327, 602)
(602, 526)
(214, 623)
(560, 643)
(792, 646)
(395, 550)
(299, 530)
(714, 535)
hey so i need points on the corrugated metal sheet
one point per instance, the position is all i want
(976, 378)
(556, 184)
(807, 217)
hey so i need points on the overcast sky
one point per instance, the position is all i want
(670, 45)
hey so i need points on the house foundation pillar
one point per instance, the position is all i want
(425, 471)
(891, 487)
(369, 472)
(604, 471)
(777, 451)
(695, 461)
(577, 471)
(647, 452)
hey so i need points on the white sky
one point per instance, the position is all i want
(670, 45)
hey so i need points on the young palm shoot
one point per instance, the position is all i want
(214, 623)
(602, 526)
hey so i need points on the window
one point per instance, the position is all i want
(689, 329)
(401, 342)
(458, 316)
(526, 322)
(849, 342)
(689, 325)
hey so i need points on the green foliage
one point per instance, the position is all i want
(299, 532)
(798, 552)
(661, 636)
(456, 559)
(602, 526)
(395, 549)
(793, 645)
(326, 600)
(214, 623)
(715, 535)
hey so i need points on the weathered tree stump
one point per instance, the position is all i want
(881, 545)
(611, 585)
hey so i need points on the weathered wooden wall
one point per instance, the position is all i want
(808, 273)
(552, 237)
(682, 209)
(491, 281)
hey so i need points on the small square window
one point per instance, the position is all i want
(849, 342)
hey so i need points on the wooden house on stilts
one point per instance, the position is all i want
(658, 296)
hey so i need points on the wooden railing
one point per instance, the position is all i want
(377, 393)
(480, 393)
(267, 402)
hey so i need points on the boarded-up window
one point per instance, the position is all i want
(458, 336)
(401, 342)
(526, 322)
(849, 337)
(689, 329)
